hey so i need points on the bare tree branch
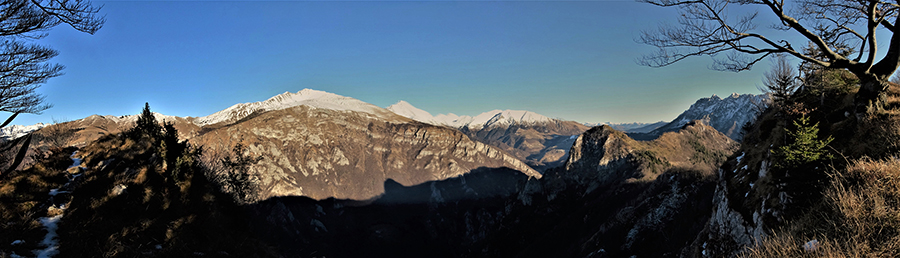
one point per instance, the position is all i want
(836, 29)
(24, 66)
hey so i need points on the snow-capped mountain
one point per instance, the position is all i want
(405, 109)
(483, 120)
(16, 131)
(540, 141)
(305, 97)
(728, 115)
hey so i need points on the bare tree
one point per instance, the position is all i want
(836, 28)
(781, 81)
(24, 65)
(58, 135)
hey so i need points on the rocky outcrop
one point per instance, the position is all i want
(636, 190)
(323, 153)
(541, 145)
(602, 154)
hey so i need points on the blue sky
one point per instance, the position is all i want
(564, 59)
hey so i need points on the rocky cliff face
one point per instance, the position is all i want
(323, 153)
(728, 115)
(616, 197)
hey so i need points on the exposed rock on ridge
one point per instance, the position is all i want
(324, 153)
(728, 115)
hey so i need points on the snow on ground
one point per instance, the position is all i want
(51, 240)
(54, 192)
(51, 224)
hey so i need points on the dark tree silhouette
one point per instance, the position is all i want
(843, 33)
(23, 64)
(781, 81)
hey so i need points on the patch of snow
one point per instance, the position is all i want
(18, 242)
(50, 242)
(54, 192)
(75, 161)
(739, 158)
(573, 137)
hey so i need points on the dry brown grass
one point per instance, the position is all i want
(24, 199)
(859, 217)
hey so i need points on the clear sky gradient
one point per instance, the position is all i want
(563, 59)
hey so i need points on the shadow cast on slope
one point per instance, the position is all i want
(424, 220)
(495, 212)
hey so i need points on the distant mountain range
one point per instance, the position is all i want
(344, 178)
(636, 127)
(295, 133)
(727, 115)
(322, 145)
(540, 141)
(16, 131)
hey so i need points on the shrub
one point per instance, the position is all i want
(805, 148)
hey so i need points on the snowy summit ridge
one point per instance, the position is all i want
(305, 97)
(16, 131)
(483, 120)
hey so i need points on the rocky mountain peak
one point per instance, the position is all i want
(601, 149)
(727, 115)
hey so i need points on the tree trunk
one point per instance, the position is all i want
(870, 93)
